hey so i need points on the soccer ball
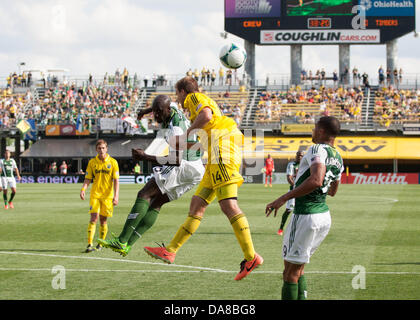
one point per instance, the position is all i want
(232, 56)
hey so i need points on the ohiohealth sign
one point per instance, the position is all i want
(393, 8)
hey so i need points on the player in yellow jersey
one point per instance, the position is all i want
(221, 139)
(104, 172)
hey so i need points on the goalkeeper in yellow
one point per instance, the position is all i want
(104, 172)
(222, 140)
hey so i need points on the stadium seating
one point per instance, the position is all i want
(303, 106)
(394, 106)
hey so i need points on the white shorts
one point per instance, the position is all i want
(303, 235)
(175, 181)
(290, 204)
(8, 182)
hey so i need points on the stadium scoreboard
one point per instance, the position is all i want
(277, 22)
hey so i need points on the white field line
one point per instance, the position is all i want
(199, 269)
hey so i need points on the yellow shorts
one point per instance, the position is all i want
(222, 178)
(225, 192)
(102, 206)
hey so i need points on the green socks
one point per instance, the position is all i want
(294, 291)
(145, 224)
(302, 293)
(137, 213)
(12, 195)
(5, 198)
(289, 291)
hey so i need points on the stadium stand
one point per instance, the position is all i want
(396, 106)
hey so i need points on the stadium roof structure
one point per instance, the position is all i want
(83, 148)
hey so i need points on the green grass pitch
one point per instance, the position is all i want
(376, 227)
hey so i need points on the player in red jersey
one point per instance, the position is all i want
(269, 169)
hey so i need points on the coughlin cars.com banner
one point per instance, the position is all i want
(319, 36)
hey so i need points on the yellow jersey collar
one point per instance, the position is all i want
(106, 158)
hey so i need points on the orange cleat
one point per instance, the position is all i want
(6, 206)
(161, 253)
(248, 266)
(11, 205)
(280, 232)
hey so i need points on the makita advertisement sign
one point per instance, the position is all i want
(319, 36)
(380, 178)
(393, 8)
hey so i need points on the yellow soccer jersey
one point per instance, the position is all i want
(102, 173)
(196, 102)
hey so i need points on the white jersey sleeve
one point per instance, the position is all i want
(290, 170)
(317, 154)
(14, 165)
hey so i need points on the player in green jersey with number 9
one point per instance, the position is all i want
(319, 175)
(7, 167)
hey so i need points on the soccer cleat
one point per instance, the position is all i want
(11, 205)
(161, 253)
(6, 206)
(280, 232)
(265, 185)
(125, 251)
(98, 247)
(248, 266)
(114, 243)
(271, 185)
(89, 248)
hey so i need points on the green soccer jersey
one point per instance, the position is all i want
(8, 167)
(178, 124)
(314, 202)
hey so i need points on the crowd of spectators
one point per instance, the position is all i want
(303, 106)
(351, 77)
(11, 107)
(397, 106)
(64, 104)
(207, 77)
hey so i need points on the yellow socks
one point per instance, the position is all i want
(241, 228)
(184, 232)
(91, 232)
(103, 230)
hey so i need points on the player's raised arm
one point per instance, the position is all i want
(143, 112)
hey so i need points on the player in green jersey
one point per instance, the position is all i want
(169, 181)
(7, 168)
(319, 175)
